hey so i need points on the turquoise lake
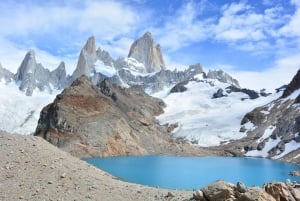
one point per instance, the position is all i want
(193, 172)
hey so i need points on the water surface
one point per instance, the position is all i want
(193, 172)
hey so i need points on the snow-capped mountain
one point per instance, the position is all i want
(207, 112)
(208, 109)
(274, 128)
(146, 52)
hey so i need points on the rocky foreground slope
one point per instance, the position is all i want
(107, 120)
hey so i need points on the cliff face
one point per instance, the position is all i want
(146, 52)
(105, 120)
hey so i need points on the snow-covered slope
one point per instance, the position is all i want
(204, 120)
(20, 113)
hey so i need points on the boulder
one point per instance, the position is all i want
(255, 194)
(241, 187)
(279, 191)
(198, 195)
(219, 191)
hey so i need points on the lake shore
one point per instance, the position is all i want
(33, 169)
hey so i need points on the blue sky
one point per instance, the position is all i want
(250, 39)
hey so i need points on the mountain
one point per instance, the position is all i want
(106, 120)
(97, 64)
(273, 129)
(32, 75)
(146, 52)
(6, 75)
(144, 66)
(207, 112)
(86, 60)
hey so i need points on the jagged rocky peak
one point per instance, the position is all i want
(26, 73)
(58, 76)
(32, 75)
(6, 75)
(146, 52)
(222, 77)
(87, 58)
(105, 57)
(292, 86)
(90, 46)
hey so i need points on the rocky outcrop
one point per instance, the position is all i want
(86, 60)
(180, 87)
(251, 93)
(106, 120)
(222, 77)
(146, 52)
(224, 191)
(282, 192)
(273, 130)
(32, 75)
(219, 94)
(292, 86)
(6, 75)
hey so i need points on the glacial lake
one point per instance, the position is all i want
(189, 173)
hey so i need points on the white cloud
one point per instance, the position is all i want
(292, 28)
(68, 23)
(282, 73)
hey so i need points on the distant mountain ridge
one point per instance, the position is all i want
(144, 66)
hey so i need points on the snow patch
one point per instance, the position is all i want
(199, 76)
(108, 71)
(268, 132)
(207, 121)
(289, 147)
(20, 113)
(264, 152)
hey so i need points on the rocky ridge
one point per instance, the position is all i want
(107, 120)
(32, 75)
(273, 129)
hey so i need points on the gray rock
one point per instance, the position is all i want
(219, 94)
(32, 75)
(6, 75)
(222, 77)
(87, 59)
(144, 51)
(180, 87)
(241, 187)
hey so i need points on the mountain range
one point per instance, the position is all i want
(191, 106)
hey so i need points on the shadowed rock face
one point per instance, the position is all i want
(146, 52)
(292, 86)
(105, 120)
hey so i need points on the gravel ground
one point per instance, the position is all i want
(33, 169)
